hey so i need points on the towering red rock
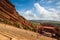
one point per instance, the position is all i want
(8, 14)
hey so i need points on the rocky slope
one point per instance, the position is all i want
(21, 34)
(9, 15)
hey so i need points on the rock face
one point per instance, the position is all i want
(9, 15)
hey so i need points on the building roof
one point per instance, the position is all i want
(48, 27)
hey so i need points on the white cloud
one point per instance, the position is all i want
(28, 14)
(42, 13)
(41, 10)
(52, 9)
(47, 15)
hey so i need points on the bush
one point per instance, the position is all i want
(26, 27)
(34, 29)
(1, 20)
(16, 24)
(7, 22)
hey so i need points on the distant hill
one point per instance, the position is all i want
(55, 23)
(42, 21)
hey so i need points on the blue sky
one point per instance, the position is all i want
(38, 9)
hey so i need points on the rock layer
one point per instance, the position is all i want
(8, 13)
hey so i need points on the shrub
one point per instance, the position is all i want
(26, 27)
(1, 20)
(16, 24)
(34, 29)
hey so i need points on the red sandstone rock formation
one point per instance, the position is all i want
(8, 12)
